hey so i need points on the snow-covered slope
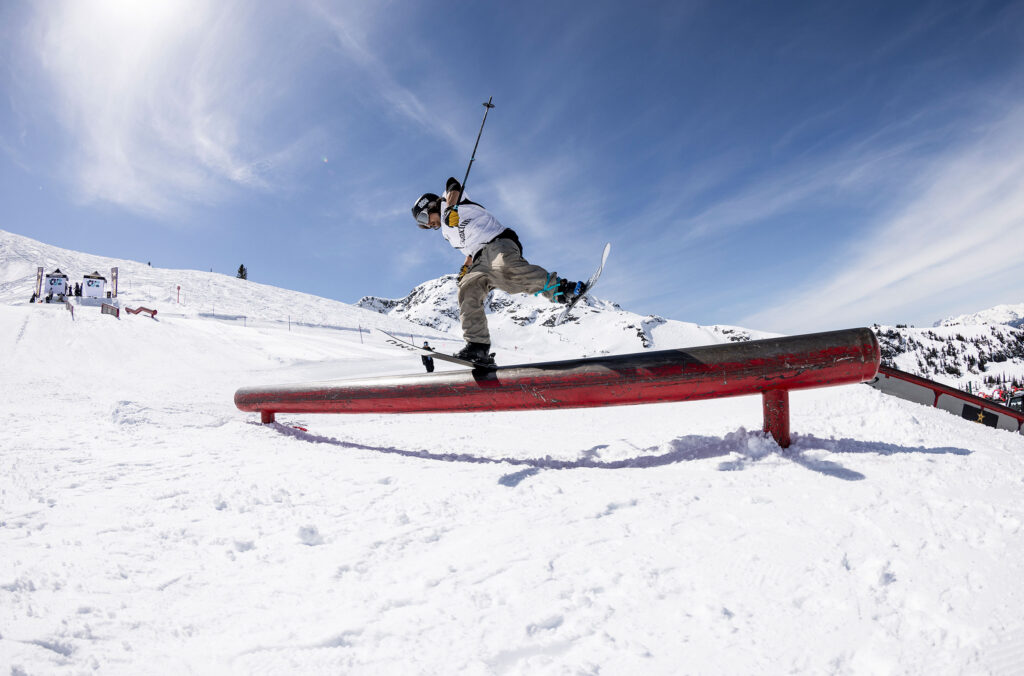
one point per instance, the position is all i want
(147, 526)
(183, 293)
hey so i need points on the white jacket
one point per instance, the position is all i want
(476, 227)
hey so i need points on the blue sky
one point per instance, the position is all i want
(783, 166)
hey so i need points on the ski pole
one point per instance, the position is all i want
(487, 108)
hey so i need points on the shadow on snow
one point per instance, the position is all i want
(744, 447)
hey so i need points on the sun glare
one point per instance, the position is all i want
(146, 15)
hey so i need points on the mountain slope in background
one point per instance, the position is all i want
(520, 324)
(969, 357)
(973, 358)
(188, 293)
(594, 327)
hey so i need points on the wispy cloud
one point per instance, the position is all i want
(154, 102)
(957, 231)
(350, 33)
(865, 167)
(695, 216)
(524, 196)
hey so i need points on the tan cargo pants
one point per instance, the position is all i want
(499, 266)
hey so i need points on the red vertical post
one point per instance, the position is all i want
(776, 415)
(266, 417)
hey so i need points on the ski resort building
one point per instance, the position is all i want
(56, 283)
(94, 285)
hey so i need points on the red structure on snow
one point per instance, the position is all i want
(771, 367)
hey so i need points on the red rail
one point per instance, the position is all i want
(771, 367)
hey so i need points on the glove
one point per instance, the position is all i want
(452, 218)
(462, 272)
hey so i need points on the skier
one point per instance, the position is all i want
(494, 260)
(428, 362)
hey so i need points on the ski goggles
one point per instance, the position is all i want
(423, 218)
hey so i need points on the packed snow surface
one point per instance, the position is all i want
(148, 526)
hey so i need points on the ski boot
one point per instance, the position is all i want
(478, 353)
(568, 291)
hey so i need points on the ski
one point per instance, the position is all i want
(590, 285)
(431, 352)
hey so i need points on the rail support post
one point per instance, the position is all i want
(266, 417)
(776, 415)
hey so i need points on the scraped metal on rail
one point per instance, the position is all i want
(771, 367)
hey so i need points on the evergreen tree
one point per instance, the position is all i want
(242, 272)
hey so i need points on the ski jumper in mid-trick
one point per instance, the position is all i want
(494, 260)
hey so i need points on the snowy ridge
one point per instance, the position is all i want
(148, 526)
(594, 327)
(1008, 315)
(432, 304)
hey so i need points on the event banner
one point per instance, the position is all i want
(113, 282)
(39, 282)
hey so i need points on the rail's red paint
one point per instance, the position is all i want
(773, 366)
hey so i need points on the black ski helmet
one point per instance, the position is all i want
(428, 203)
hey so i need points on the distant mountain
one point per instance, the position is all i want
(595, 327)
(972, 351)
(972, 356)
(1007, 315)
(435, 304)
